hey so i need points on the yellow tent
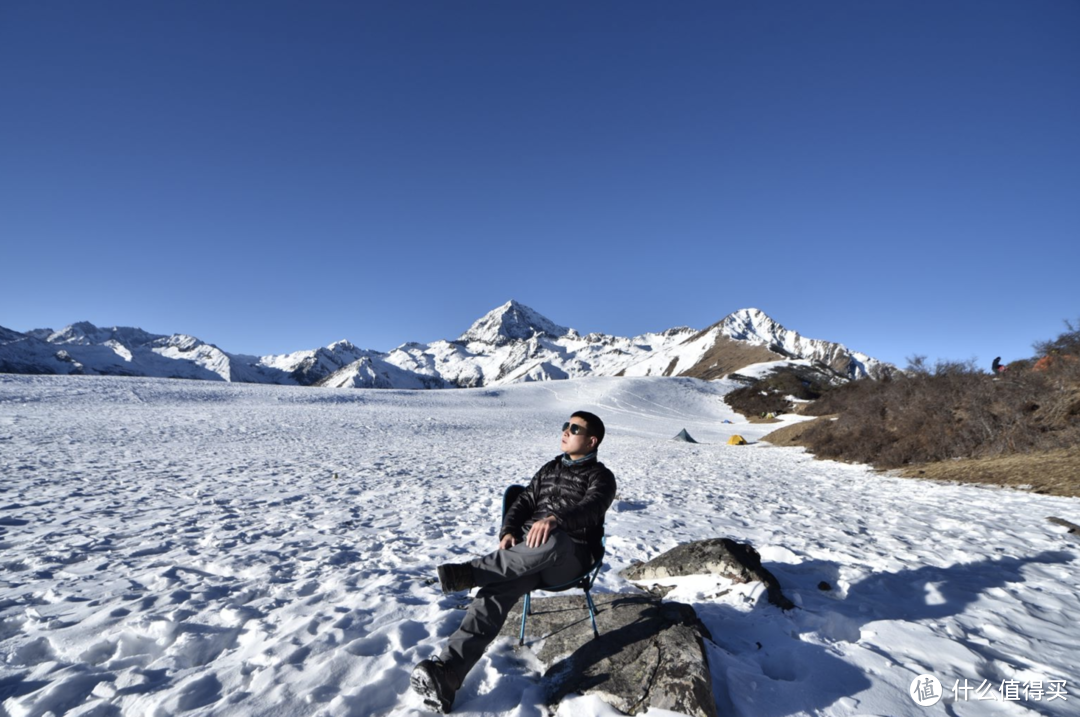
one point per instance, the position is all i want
(736, 440)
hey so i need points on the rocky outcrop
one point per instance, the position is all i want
(738, 562)
(1072, 529)
(649, 654)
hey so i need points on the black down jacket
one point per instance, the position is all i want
(577, 495)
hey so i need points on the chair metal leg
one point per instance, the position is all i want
(592, 614)
(525, 609)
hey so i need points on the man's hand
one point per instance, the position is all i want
(508, 541)
(539, 532)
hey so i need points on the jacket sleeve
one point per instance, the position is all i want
(590, 511)
(521, 510)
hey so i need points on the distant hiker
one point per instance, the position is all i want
(996, 367)
(545, 539)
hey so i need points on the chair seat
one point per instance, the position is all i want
(583, 582)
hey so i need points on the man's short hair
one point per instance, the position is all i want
(596, 426)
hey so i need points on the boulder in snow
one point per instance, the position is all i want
(649, 654)
(738, 562)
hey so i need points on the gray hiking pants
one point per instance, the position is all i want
(503, 577)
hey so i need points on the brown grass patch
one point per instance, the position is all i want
(792, 435)
(725, 356)
(1051, 472)
(1054, 472)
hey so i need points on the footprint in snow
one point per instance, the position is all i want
(200, 692)
(308, 589)
(324, 693)
(298, 656)
(409, 633)
(377, 644)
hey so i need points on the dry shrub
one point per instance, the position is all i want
(773, 393)
(952, 410)
(1067, 343)
(753, 401)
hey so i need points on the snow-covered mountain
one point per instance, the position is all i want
(508, 323)
(376, 372)
(755, 327)
(83, 348)
(510, 344)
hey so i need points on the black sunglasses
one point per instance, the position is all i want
(574, 428)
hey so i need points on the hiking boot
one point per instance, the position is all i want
(456, 576)
(432, 681)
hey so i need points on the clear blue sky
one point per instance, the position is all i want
(899, 176)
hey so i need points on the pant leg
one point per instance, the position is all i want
(557, 560)
(504, 577)
(481, 624)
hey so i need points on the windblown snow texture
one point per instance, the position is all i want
(175, 547)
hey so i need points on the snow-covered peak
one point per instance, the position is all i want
(81, 332)
(509, 322)
(343, 345)
(756, 327)
(85, 333)
(753, 325)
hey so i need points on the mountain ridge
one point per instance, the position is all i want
(511, 343)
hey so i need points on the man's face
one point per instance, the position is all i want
(580, 444)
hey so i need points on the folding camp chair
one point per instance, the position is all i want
(584, 581)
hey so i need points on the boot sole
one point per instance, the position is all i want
(424, 685)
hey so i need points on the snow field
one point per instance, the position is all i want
(171, 547)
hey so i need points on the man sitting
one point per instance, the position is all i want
(547, 538)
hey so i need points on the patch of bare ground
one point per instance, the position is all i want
(1054, 472)
(1050, 472)
(792, 435)
(725, 356)
(759, 419)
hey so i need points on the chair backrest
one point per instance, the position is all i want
(509, 496)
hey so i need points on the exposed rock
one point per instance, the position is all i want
(738, 562)
(660, 591)
(649, 653)
(1073, 529)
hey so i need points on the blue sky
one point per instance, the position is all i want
(902, 177)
